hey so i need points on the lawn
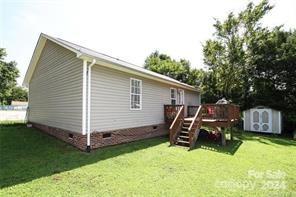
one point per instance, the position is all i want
(35, 163)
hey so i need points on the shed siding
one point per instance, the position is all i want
(55, 90)
(110, 100)
(275, 121)
(247, 120)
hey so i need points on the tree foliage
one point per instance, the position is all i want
(19, 94)
(229, 54)
(8, 88)
(251, 64)
(8, 75)
(247, 63)
(179, 70)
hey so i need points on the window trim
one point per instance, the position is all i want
(175, 89)
(130, 94)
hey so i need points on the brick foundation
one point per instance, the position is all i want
(101, 139)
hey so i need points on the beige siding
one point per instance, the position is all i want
(110, 108)
(192, 98)
(55, 96)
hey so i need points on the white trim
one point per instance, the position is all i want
(245, 120)
(34, 59)
(280, 123)
(175, 90)
(84, 72)
(260, 111)
(141, 93)
(269, 111)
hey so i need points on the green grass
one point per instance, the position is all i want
(33, 163)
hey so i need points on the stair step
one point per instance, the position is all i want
(182, 141)
(184, 136)
(184, 132)
(185, 128)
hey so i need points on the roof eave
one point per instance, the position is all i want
(104, 61)
(121, 67)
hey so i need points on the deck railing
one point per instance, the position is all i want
(223, 112)
(176, 125)
(195, 126)
(170, 112)
(191, 110)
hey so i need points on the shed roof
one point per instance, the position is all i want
(261, 107)
(109, 61)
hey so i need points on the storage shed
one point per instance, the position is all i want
(263, 119)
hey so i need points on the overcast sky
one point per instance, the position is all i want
(129, 29)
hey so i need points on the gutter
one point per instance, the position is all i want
(125, 68)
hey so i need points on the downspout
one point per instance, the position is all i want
(89, 104)
(84, 75)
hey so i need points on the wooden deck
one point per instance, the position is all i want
(214, 122)
(184, 128)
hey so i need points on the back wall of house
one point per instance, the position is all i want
(110, 102)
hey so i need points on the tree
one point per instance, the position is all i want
(19, 94)
(251, 64)
(163, 64)
(8, 75)
(179, 70)
(228, 54)
(275, 70)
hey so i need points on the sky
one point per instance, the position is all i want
(129, 30)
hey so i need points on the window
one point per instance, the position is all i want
(135, 94)
(173, 96)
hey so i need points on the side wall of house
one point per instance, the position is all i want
(110, 100)
(55, 90)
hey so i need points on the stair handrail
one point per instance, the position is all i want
(176, 125)
(195, 124)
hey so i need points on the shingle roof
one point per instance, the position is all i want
(80, 50)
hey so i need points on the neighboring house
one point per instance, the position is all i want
(263, 119)
(92, 100)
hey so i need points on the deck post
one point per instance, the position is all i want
(231, 133)
(223, 138)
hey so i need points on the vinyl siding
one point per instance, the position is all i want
(110, 100)
(55, 90)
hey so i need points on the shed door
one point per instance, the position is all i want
(261, 120)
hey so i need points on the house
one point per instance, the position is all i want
(91, 100)
(263, 119)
